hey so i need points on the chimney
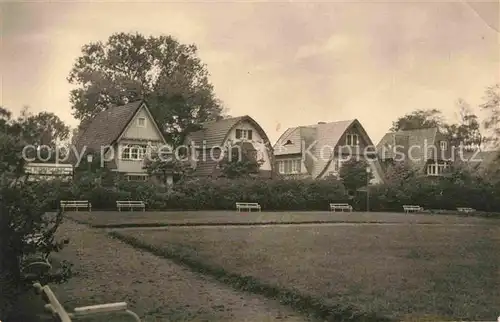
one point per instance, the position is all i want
(321, 122)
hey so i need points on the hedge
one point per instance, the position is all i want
(281, 195)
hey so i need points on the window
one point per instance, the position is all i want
(134, 152)
(444, 145)
(244, 134)
(436, 169)
(288, 142)
(141, 122)
(352, 139)
(289, 166)
(432, 169)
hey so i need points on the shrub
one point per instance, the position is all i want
(23, 212)
(459, 189)
(23, 207)
(435, 193)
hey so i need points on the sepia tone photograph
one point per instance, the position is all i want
(299, 161)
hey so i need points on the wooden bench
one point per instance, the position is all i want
(76, 204)
(59, 312)
(465, 209)
(410, 208)
(340, 206)
(130, 204)
(247, 205)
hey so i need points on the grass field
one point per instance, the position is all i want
(107, 270)
(409, 272)
(101, 219)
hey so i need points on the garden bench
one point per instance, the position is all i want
(340, 206)
(130, 204)
(465, 209)
(57, 310)
(247, 205)
(410, 208)
(76, 204)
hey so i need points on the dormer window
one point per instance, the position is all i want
(243, 134)
(141, 122)
(352, 139)
(288, 142)
(444, 145)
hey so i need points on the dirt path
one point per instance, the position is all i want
(108, 270)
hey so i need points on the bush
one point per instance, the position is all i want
(435, 193)
(459, 189)
(23, 212)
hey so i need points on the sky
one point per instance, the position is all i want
(285, 64)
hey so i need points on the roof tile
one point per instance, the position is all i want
(106, 127)
(213, 134)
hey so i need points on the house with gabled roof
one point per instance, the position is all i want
(427, 150)
(319, 150)
(215, 138)
(122, 137)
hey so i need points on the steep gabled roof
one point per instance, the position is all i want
(315, 137)
(214, 134)
(401, 141)
(107, 126)
(327, 134)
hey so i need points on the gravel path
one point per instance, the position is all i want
(108, 270)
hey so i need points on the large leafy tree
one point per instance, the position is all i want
(23, 208)
(419, 119)
(41, 129)
(127, 67)
(491, 105)
(44, 128)
(465, 132)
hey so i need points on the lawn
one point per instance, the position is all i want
(101, 219)
(107, 270)
(408, 272)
